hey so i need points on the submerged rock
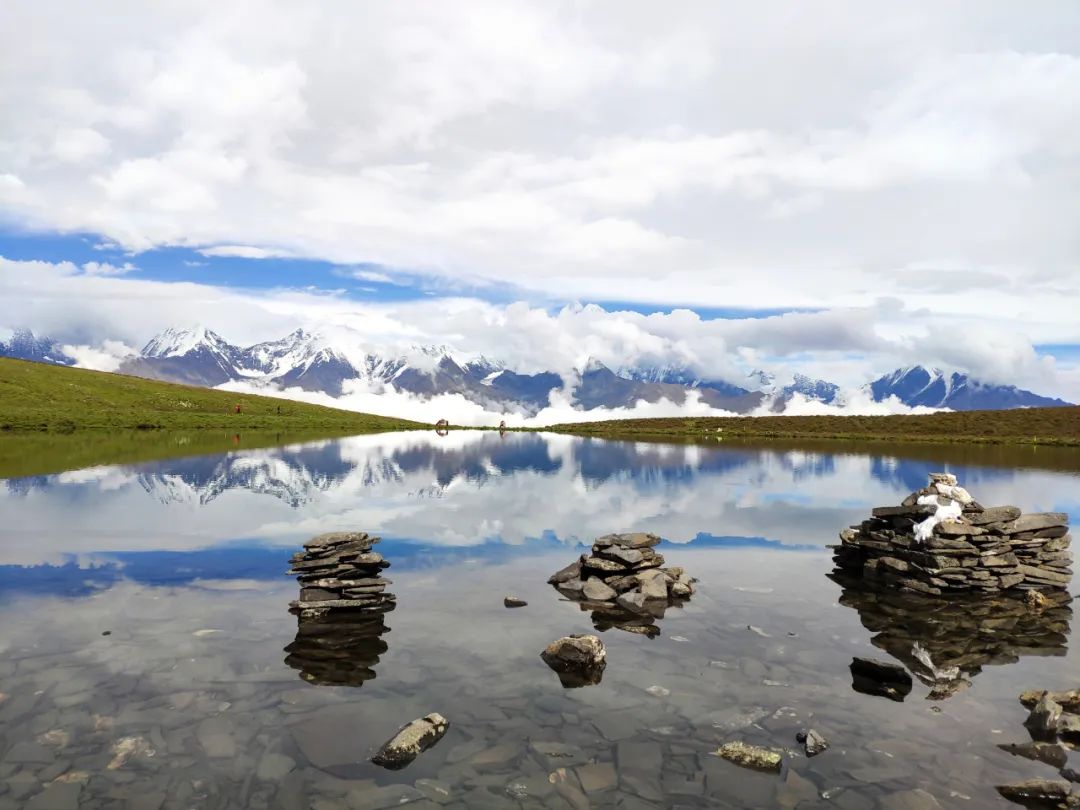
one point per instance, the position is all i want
(1043, 720)
(1069, 699)
(1036, 790)
(872, 677)
(813, 742)
(751, 756)
(411, 739)
(579, 660)
(1049, 753)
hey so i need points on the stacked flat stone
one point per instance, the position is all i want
(339, 571)
(940, 540)
(623, 572)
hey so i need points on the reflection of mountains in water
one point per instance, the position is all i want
(300, 474)
(338, 648)
(946, 642)
(296, 476)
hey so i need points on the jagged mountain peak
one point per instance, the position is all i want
(179, 341)
(25, 345)
(935, 388)
(764, 381)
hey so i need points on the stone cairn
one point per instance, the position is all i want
(340, 609)
(621, 581)
(940, 540)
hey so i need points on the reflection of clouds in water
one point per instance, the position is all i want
(471, 488)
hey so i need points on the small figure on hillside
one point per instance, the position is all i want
(239, 408)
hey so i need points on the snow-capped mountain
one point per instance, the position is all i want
(664, 382)
(23, 345)
(933, 388)
(818, 390)
(762, 380)
(334, 360)
(194, 356)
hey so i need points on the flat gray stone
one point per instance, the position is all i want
(273, 767)
(595, 590)
(57, 796)
(597, 776)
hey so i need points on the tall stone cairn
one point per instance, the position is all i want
(940, 540)
(339, 571)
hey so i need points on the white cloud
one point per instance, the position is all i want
(106, 357)
(765, 155)
(77, 145)
(107, 269)
(241, 251)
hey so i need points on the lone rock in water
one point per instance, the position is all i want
(411, 739)
(579, 660)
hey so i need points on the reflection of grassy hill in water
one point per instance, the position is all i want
(1042, 426)
(36, 396)
(44, 453)
(930, 635)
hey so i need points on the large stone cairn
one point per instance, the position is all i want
(339, 571)
(621, 580)
(940, 540)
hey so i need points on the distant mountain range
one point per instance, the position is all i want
(331, 360)
(25, 346)
(934, 388)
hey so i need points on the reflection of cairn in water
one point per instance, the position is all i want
(340, 610)
(946, 641)
(622, 583)
(339, 648)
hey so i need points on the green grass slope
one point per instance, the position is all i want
(1042, 426)
(36, 396)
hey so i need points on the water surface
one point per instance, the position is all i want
(206, 692)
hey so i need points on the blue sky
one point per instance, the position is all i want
(361, 282)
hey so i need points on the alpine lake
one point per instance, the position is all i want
(149, 659)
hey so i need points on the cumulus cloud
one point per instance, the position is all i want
(712, 157)
(241, 252)
(108, 269)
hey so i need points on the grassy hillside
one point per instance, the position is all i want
(36, 396)
(1041, 426)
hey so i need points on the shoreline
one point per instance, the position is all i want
(1040, 427)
